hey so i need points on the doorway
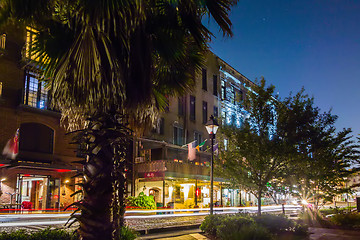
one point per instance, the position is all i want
(37, 192)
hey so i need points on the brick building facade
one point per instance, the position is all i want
(41, 171)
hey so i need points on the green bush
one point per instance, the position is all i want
(128, 234)
(52, 234)
(250, 231)
(347, 220)
(141, 201)
(279, 224)
(275, 223)
(17, 235)
(210, 224)
(46, 234)
(336, 210)
(244, 226)
(57, 234)
(233, 222)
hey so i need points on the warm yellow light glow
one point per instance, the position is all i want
(67, 181)
(171, 189)
(186, 189)
(304, 202)
(3, 179)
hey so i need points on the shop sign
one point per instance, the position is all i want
(198, 192)
(154, 174)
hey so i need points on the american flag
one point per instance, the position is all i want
(192, 150)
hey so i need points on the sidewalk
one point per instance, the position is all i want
(333, 234)
(315, 234)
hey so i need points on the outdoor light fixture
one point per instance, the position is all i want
(212, 127)
(3, 179)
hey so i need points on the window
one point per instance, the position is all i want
(223, 89)
(204, 79)
(178, 136)
(216, 111)
(159, 128)
(162, 126)
(35, 94)
(181, 106)
(36, 137)
(30, 52)
(197, 137)
(2, 41)
(233, 94)
(241, 96)
(215, 85)
(224, 116)
(192, 108)
(204, 112)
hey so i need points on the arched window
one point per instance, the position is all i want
(36, 137)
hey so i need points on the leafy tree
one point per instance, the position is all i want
(287, 143)
(109, 65)
(256, 154)
(324, 156)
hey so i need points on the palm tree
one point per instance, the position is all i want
(109, 65)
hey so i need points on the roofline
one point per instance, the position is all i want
(227, 64)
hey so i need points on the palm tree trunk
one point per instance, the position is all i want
(102, 208)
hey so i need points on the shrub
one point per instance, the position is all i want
(128, 233)
(17, 235)
(275, 223)
(250, 231)
(279, 224)
(142, 201)
(348, 220)
(48, 234)
(52, 234)
(210, 224)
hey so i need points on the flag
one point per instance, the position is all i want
(200, 145)
(216, 149)
(192, 150)
(11, 148)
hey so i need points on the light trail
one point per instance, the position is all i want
(17, 220)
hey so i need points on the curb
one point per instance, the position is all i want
(167, 229)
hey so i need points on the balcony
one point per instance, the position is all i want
(161, 169)
(164, 160)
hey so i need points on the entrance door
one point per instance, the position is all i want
(33, 191)
(54, 194)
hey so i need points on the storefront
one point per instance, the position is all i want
(179, 192)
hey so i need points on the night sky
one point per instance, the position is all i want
(295, 43)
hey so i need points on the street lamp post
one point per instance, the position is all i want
(212, 127)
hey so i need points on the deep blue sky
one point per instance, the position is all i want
(295, 43)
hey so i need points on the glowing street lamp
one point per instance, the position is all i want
(212, 127)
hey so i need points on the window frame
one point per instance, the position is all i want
(192, 108)
(38, 90)
(204, 78)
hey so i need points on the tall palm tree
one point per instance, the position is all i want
(109, 65)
